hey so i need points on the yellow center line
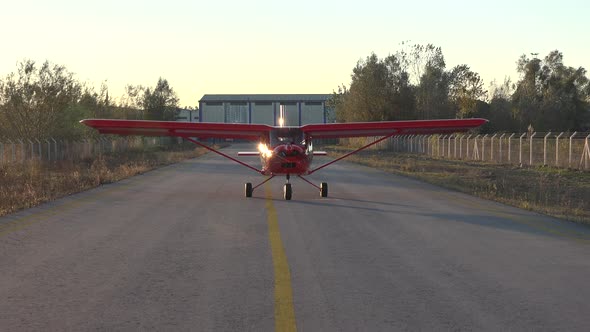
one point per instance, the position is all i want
(283, 293)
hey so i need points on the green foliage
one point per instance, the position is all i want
(35, 100)
(414, 84)
(465, 90)
(39, 102)
(161, 103)
(551, 96)
(379, 91)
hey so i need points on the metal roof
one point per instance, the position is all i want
(266, 98)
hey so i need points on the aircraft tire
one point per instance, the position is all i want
(324, 189)
(248, 189)
(287, 191)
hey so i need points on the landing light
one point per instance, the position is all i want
(264, 150)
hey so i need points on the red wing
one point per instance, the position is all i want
(253, 132)
(384, 128)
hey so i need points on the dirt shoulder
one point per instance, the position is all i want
(32, 183)
(557, 192)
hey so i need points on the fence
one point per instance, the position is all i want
(19, 151)
(563, 150)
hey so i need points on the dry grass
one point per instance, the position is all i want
(32, 183)
(558, 192)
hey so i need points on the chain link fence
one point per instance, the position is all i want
(562, 150)
(22, 150)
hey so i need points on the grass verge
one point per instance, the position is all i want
(557, 192)
(32, 183)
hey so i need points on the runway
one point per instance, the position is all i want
(181, 248)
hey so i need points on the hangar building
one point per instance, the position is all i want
(265, 109)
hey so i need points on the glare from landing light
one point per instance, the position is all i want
(264, 150)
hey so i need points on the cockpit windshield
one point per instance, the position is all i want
(286, 135)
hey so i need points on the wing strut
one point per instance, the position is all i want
(351, 153)
(223, 154)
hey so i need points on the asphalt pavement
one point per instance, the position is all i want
(181, 248)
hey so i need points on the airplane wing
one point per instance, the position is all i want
(252, 132)
(387, 128)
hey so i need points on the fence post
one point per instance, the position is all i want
(570, 158)
(449, 147)
(48, 150)
(418, 143)
(401, 143)
(54, 148)
(545, 149)
(467, 153)
(13, 151)
(433, 144)
(520, 150)
(510, 148)
(501, 137)
(32, 149)
(405, 143)
(557, 149)
(22, 150)
(475, 148)
(483, 146)
(585, 153)
(39, 147)
(531, 149)
(492, 147)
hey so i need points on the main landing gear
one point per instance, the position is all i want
(287, 188)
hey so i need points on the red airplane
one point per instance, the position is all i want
(282, 150)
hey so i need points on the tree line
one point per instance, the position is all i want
(414, 83)
(46, 100)
(40, 101)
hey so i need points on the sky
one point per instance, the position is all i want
(267, 47)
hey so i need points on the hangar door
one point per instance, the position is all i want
(290, 113)
(236, 112)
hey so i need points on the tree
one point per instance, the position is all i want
(500, 115)
(465, 90)
(526, 99)
(551, 96)
(161, 103)
(403, 101)
(432, 94)
(379, 91)
(34, 101)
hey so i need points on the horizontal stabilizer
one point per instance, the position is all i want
(249, 153)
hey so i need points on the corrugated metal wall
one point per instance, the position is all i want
(296, 113)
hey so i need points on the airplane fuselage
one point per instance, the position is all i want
(290, 152)
(287, 158)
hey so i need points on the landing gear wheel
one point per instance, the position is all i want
(287, 191)
(248, 189)
(324, 189)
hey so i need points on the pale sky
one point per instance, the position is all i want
(304, 46)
